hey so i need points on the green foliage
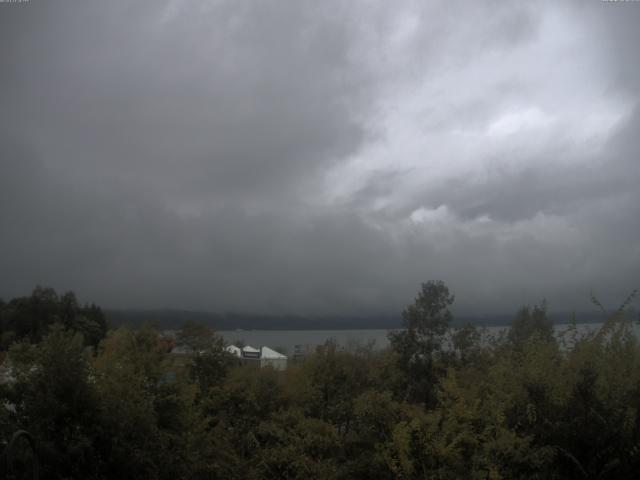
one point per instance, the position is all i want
(195, 336)
(419, 345)
(54, 399)
(525, 406)
(530, 323)
(30, 318)
(210, 367)
(334, 379)
(210, 362)
(291, 445)
(466, 342)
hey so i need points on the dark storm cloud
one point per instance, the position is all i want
(223, 101)
(319, 157)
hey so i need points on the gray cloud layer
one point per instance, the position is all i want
(319, 157)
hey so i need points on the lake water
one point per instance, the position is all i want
(309, 339)
(288, 339)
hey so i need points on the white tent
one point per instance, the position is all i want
(271, 358)
(250, 352)
(233, 350)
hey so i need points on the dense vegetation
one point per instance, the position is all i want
(435, 405)
(30, 318)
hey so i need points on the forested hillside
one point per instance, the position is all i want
(524, 405)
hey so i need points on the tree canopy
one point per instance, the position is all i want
(439, 403)
(32, 317)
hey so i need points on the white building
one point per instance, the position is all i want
(271, 358)
(250, 353)
(233, 350)
(266, 356)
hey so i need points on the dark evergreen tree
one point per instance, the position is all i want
(419, 344)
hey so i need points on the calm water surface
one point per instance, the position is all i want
(288, 339)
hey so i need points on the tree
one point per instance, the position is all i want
(530, 323)
(426, 322)
(55, 400)
(195, 336)
(91, 322)
(209, 366)
(466, 341)
(32, 317)
(336, 378)
(143, 418)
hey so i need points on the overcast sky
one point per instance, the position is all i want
(320, 157)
